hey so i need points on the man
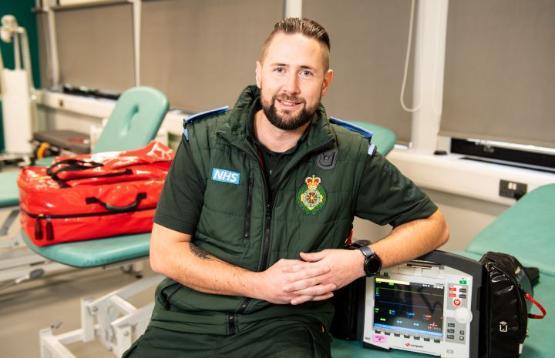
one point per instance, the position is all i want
(256, 208)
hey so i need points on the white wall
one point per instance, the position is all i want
(465, 217)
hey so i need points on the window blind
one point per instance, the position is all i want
(95, 46)
(500, 72)
(202, 53)
(368, 45)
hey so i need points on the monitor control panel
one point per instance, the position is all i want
(424, 306)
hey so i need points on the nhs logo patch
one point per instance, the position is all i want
(225, 176)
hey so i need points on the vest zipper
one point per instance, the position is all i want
(262, 262)
(268, 207)
(231, 324)
(247, 227)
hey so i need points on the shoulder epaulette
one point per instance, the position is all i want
(200, 116)
(357, 129)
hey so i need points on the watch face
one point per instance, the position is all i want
(372, 265)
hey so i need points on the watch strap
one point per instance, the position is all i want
(366, 251)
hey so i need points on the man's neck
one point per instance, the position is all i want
(275, 139)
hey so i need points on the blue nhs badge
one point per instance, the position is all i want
(225, 176)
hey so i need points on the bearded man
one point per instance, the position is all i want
(256, 208)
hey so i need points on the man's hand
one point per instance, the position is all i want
(338, 267)
(275, 281)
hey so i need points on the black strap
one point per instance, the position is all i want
(68, 165)
(117, 209)
(77, 165)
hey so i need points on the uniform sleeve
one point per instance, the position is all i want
(388, 197)
(181, 199)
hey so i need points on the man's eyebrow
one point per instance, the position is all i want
(303, 67)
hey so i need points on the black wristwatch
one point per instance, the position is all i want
(372, 262)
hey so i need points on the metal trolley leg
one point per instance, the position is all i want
(111, 319)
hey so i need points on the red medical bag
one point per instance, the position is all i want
(91, 196)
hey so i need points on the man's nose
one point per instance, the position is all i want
(292, 84)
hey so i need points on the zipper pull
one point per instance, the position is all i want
(38, 228)
(49, 229)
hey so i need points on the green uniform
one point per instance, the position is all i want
(250, 207)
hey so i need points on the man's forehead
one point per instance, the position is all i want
(297, 39)
(293, 47)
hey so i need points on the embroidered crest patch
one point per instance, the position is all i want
(311, 197)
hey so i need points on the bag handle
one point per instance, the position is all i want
(537, 304)
(117, 209)
(69, 165)
(77, 165)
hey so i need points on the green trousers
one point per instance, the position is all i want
(271, 338)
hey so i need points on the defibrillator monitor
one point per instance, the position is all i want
(428, 306)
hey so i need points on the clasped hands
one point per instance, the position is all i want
(312, 278)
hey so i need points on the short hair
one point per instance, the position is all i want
(304, 26)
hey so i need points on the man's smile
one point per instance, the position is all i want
(289, 103)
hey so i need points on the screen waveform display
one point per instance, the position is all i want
(408, 307)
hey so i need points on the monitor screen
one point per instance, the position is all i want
(408, 307)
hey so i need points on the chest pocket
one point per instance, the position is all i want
(222, 219)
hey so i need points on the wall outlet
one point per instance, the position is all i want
(512, 189)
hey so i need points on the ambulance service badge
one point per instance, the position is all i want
(311, 197)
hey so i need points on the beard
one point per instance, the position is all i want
(293, 122)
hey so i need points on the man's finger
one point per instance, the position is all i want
(323, 297)
(312, 256)
(298, 285)
(307, 272)
(300, 299)
(315, 290)
(306, 280)
(296, 267)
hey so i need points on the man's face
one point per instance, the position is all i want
(292, 79)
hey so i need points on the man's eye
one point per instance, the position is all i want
(279, 70)
(306, 73)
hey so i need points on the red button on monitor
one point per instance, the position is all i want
(456, 302)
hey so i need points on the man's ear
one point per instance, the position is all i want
(328, 78)
(258, 71)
